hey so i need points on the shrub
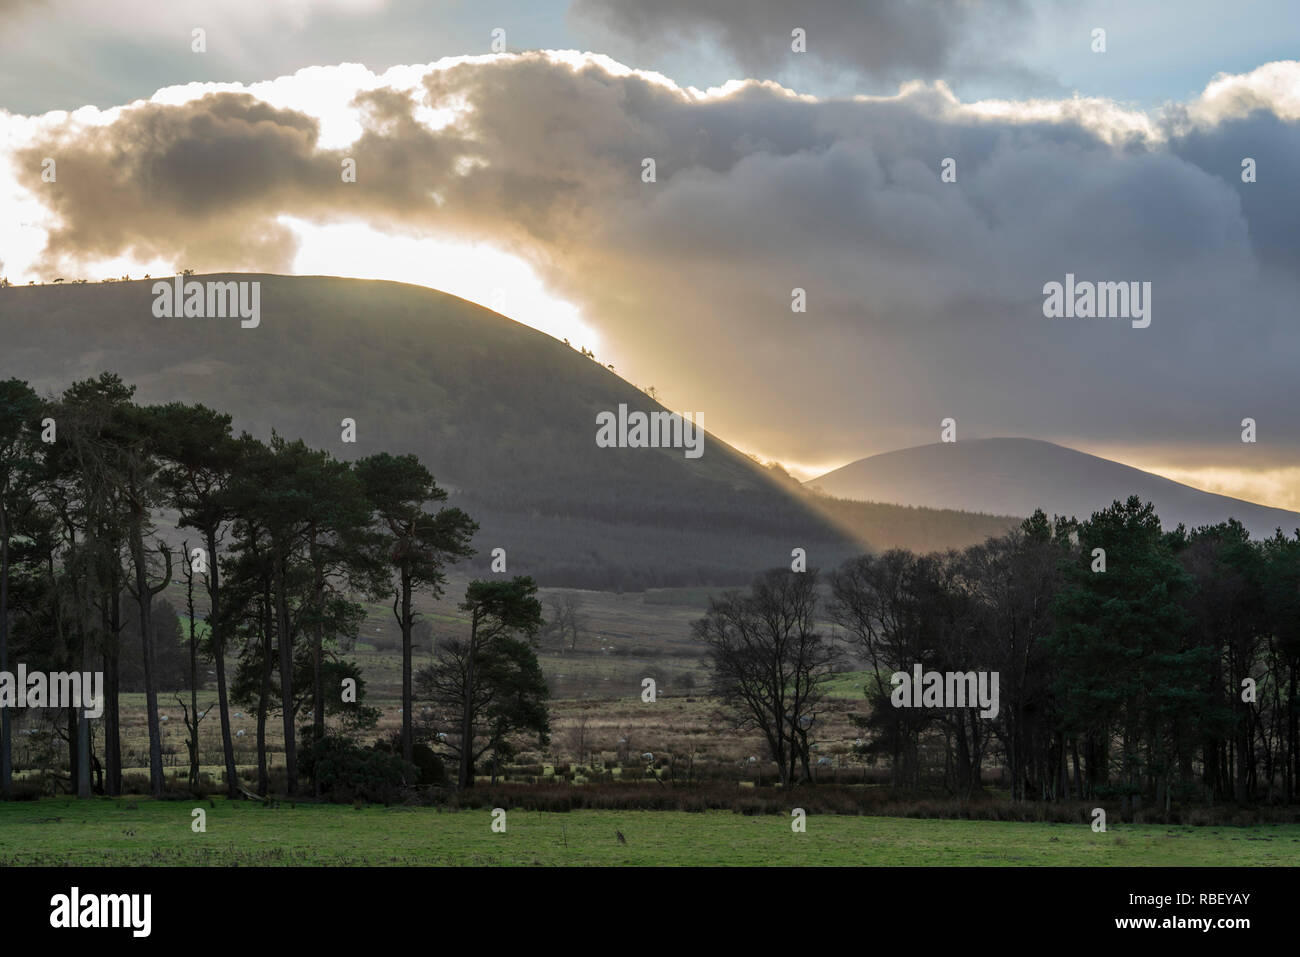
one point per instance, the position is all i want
(347, 772)
(428, 763)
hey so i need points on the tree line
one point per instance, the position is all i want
(285, 543)
(1134, 663)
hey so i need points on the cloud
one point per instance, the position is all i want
(143, 15)
(60, 53)
(183, 180)
(884, 39)
(10, 8)
(1270, 88)
(924, 297)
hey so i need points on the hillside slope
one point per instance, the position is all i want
(1015, 476)
(504, 415)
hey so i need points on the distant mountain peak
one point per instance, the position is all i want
(1013, 476)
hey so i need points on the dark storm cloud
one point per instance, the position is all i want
(886, 39)
(1274, 145)
(180, 180)
(925, 297)
(206, 179)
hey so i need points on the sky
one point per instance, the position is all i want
(500, 150)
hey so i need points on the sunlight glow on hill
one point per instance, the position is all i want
(472, 271)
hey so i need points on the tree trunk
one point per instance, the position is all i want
(144, 598)
(264, 698)
(318, 641)
(194, 687)
(219, 659)
(784, 761)
(463, 779)
(1078, 778)
(1292, 736)
(110, 725)
(1245, 753)
(286, 675)
(83, 753)
(963, 755)
(408, 745)
(83, 728)
(112, 683)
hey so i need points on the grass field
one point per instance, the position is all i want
(64, 831)
(848, 685)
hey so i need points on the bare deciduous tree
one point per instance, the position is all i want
(565, 619)
(770, 662)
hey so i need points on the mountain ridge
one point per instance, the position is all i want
(1010, 475)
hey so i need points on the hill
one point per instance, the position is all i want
(503, 414)
(1014, 476)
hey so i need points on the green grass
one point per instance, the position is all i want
(848, 684)
(64, 831)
